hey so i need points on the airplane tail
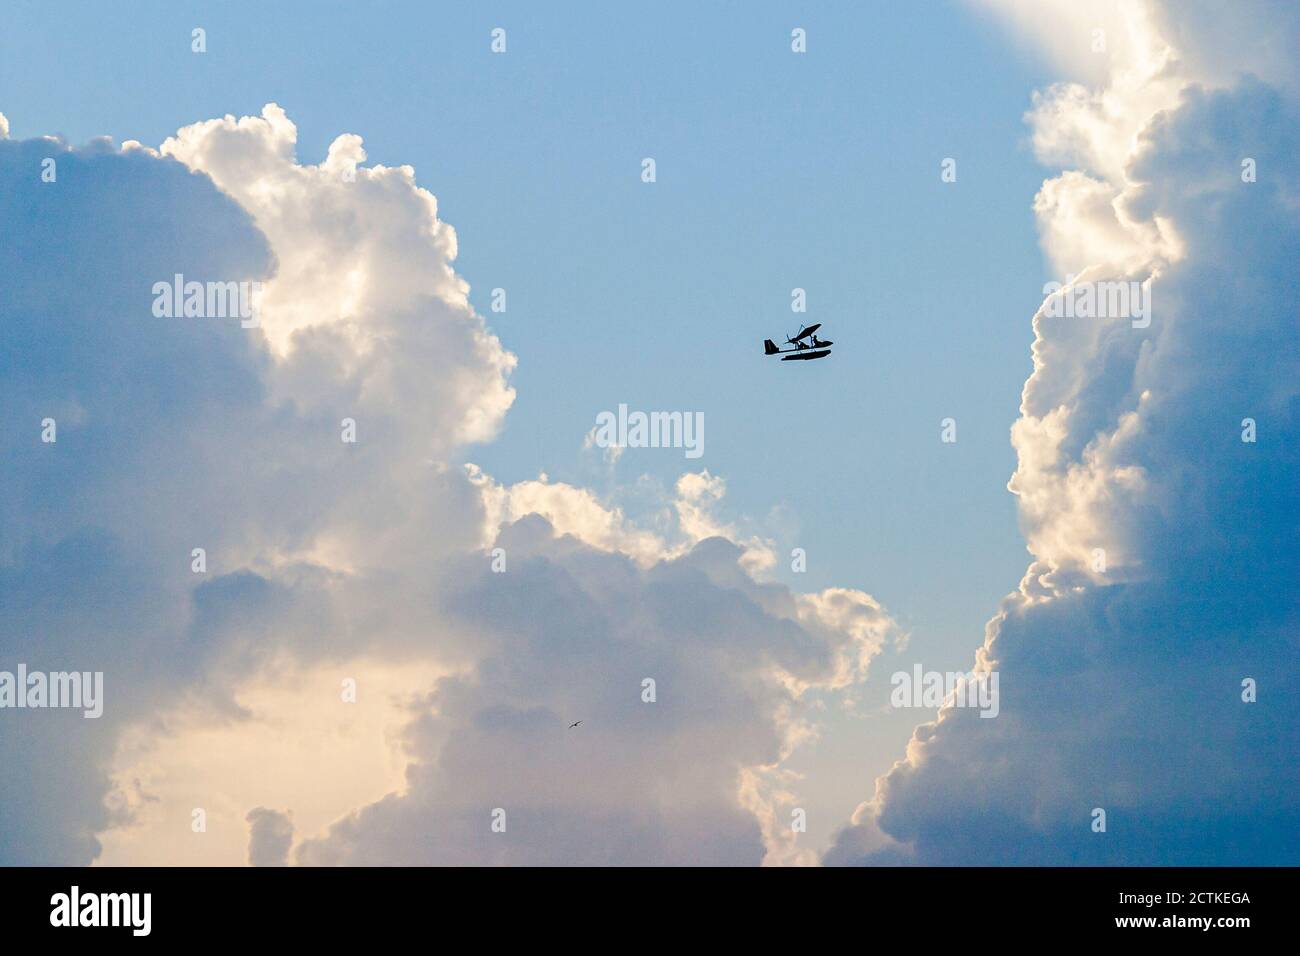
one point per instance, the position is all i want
(769, 347)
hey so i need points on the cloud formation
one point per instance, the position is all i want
(193, 433)
(1122, 678)
(201, 526)
(688, 676)
(270, 834)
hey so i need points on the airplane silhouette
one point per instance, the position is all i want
(574, 724)
(802, 350)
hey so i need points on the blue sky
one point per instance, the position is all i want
(775, 171)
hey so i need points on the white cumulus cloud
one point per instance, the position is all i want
(1122, 681)
(202, 533)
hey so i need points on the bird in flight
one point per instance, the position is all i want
(574, 724)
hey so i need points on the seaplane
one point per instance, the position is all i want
(805, 344)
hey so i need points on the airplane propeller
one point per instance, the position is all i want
(803, 333)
